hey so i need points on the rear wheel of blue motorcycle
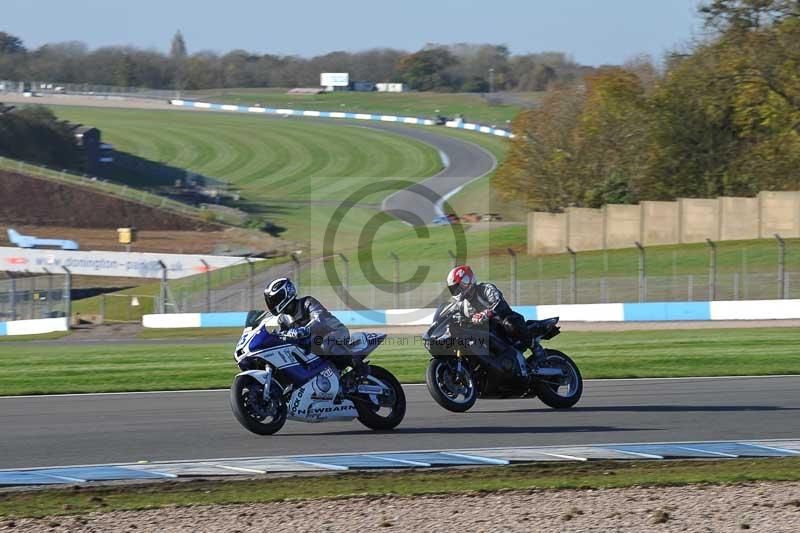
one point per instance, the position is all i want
(374, 414)
(256, 414)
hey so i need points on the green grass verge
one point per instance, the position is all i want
(595, 475)
(137, 367)
(265, 158)
(473, 107)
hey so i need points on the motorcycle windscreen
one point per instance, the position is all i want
(263, 339)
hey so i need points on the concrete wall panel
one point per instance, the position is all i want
(547, 233)
(659, 223)
(584, 228)
(738, 218)
(780, 213)
(699, 219)
(623, 225)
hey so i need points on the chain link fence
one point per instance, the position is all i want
(32, 297)
(235, 288)
(687, 288)
(739, 271)
(127, 307)
(44, 297)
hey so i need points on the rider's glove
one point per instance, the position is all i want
(298, 333)
(482, 317)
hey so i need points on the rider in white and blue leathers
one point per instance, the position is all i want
(326, 336)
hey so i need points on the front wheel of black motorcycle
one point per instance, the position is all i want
(386, 411)
(262, 416)
(451, 387)
(564, 391)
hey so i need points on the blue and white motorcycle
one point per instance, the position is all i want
(281, 379)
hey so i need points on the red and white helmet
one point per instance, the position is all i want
(460, 280)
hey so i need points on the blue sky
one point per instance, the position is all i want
(592, 31)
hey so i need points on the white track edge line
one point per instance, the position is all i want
(406, 461)
(234, 468)
(468, 451)
(484, 460)
(322, 466)
(710, 452)
(784, 450)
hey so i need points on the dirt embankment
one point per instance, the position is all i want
(28, 200)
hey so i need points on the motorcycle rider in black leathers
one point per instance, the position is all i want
(326, 336)
(484, 304)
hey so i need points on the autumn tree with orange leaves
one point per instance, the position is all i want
(723, 120)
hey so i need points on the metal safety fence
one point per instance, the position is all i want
(685, 288)
(45, 297)
(33, 297)
(757, 270)
(124, 307)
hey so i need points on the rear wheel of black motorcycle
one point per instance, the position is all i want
(256, 414)
(456, 393)
(382, 413)
(565, 393)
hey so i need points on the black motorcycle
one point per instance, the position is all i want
(469, 362)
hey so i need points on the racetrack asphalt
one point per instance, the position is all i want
(108, 428)
(466, 162)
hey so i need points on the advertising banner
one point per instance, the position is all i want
(101, 263)
(334, 79)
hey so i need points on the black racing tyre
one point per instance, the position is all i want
(252, 411)
(566, 393)
(455, 393)
(382, 413)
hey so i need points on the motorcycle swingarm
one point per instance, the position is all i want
(547, 372)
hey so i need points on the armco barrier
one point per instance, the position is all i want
(478, 128)
(619, 312)
(33, 327)
(338, 114)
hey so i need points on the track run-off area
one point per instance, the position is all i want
(76, 429)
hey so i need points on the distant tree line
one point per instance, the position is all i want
(723, 119)
(34, 134)
(459, 67)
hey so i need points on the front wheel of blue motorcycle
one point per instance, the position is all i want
(260, 415)
(385, 411)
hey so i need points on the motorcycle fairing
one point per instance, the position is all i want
(314, 401)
